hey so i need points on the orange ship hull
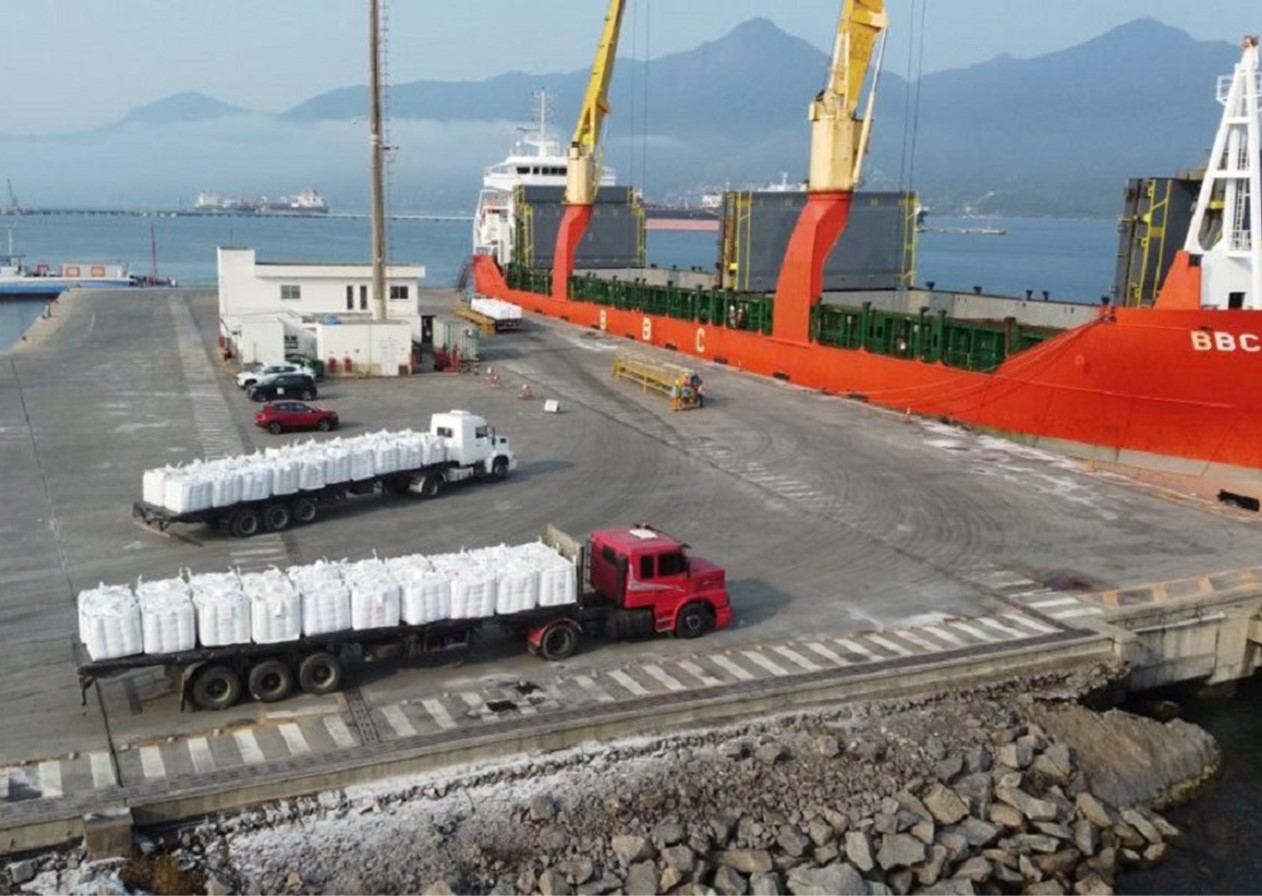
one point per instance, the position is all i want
(1167, 391)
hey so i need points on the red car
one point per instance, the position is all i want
(278, 416)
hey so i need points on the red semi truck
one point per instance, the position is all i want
(631, 582)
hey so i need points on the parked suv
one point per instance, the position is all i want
(278, 416)
(255, 373)
(283, 385)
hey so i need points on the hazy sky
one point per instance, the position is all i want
(70, 65)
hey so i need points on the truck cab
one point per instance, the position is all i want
(655, 584)
(472, 442)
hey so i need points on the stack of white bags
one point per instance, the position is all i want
(496, 309)
(275, 606)
(287, 469)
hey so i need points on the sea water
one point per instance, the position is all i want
(1071, 260)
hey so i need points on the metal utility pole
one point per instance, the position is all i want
(378, 173)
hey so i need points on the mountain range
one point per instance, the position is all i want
(1056, 134)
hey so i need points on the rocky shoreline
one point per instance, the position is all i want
(1009, 788)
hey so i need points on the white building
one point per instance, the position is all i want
(270, 309)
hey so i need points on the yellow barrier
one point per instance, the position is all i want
(681, 384)
(484, 323)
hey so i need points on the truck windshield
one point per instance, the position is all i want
(671, 565)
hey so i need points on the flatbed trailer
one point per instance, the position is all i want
(275, 513)
(485, 323)
(690, 599)
(474, 452)
(216, 677)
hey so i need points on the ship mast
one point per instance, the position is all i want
(378, 177)
(1225, 235)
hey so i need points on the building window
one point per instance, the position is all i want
(398, 293)
(350, 297)
(290, 292)
(363, 298)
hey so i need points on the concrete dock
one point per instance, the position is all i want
(866, 553)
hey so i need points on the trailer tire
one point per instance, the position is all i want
(304, 510)
(216, 687)
(320, 673)
(693, 621)
(271, 680)
(276, 517)
(499, 469)
(558, 642)
(432, 486)
(245, 523)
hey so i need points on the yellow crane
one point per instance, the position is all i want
(582, 173)
(839, 138)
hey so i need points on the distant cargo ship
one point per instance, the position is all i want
(308, 202)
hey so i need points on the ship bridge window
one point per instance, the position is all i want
(1235, 300)
(350, 297)
(523, 169)
(290, 292)
(398, 293)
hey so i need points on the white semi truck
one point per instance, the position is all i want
(272, 490)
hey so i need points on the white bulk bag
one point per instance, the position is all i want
(424, 593)
(227, 487)
(284, 475)
(411, 449)
(167, 618)
(434, 449)
(153, 486)
(275, 607)
(109, 622)
(361, 459)
(311, 470)
(223, 617)
(337, 462)
(326, 601)
(256, 480)
(374, 595)
(385, 454)
(472, 585)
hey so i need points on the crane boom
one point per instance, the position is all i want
(838, 133)
(839, 139)
(581, 179)
(581, 176)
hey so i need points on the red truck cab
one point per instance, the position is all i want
(645, 572)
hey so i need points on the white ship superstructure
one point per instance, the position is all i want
(537, 159)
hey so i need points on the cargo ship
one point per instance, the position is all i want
(308, 202)
(1160, 381)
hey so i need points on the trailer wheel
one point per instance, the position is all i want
(271, 680)
(276, 517)
(558, 642)
(304, 510)
(432, 486)
(499, 469)
(694, 621)
(320, 673)
(245, 522)
(216, 687)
